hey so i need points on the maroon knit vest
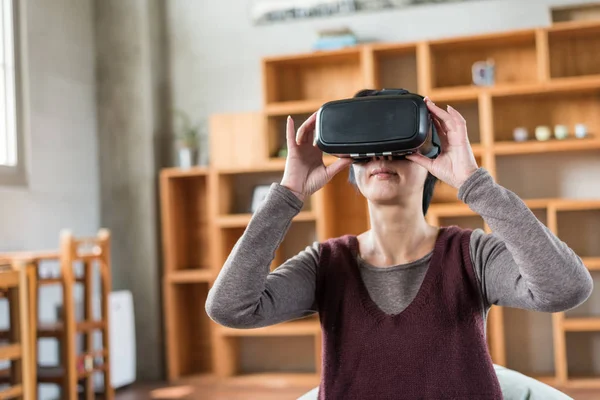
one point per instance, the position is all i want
(434, 349)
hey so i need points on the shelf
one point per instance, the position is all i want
(462, 209)
(550, 146)
(176, 172)
(276, 380)
(50, 330)
(295, 328)
(576, 84)
(12, 392)
(283, 109)
(592, 263)
(191, 275)
(581, 324)
(242, 220)
(10, 352)
(576, 204)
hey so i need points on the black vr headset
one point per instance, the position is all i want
(389, 122)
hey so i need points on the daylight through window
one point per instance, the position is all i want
(8, 129)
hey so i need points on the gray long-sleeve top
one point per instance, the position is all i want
(521, 264)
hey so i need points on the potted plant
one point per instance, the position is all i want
(187, 140)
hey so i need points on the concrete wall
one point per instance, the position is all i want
(130, 84)
(63, 185)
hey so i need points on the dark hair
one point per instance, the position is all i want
(430, 181)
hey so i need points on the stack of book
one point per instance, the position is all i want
(335, 39)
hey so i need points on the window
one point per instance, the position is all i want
(11, 162)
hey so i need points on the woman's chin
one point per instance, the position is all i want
(384, 195)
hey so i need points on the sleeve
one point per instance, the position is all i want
(246, 293)
(522, 263)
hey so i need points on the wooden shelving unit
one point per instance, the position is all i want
(545, 76)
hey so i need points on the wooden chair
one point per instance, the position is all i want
(74, 369)
(15, 286)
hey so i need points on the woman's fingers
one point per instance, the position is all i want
(290, 132)
(337, 166)
(444, 116)
(442, 134)
(421, 160)
(306, 131)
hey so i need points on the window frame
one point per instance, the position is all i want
(17, 175)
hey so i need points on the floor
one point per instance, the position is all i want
(205, 392)
(212, 392)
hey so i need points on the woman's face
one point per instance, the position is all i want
(384, 181)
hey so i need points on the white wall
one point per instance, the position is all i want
(63, 188)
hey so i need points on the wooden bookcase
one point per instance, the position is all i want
(544, 76)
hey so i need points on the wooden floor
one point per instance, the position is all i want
(206, 392)
(213, 392)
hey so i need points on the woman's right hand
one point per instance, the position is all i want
(305, 172)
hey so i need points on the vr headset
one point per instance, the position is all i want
(389, 122)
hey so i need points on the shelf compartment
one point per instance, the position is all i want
(279, 354)
(530, 347)
(319, 76)
(583, 355)
(189, 336)
(570, 50)
(581, 231)
(236, 193)
(396, 67)
(186, 221)
(547, 109)
(514, 55)
(536, 176)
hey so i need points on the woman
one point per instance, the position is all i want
(403, 305)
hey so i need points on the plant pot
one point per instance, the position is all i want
(187, 157)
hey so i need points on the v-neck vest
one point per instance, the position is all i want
(434, 349)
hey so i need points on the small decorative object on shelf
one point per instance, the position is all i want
(542, 133)
(580, 131)
(259, 194)
(484, 73)
(520, 134)
(187, 140)
(561, 132)
(282, 153)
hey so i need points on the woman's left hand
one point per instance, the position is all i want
(456, 161)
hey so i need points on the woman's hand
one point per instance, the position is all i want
(305, 172)
(456, 162)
